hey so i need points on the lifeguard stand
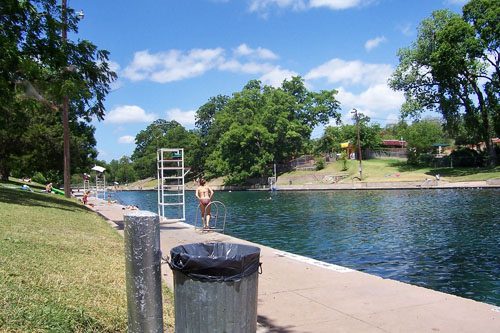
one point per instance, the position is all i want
(171, 185)
(100, 182)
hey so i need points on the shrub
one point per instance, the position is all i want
(39, 178)
(466, 157)
(320, 163)
(343, 157)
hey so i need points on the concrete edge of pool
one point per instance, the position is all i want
(299, 294)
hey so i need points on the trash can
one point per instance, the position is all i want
(215, 287)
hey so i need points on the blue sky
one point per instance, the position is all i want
(171, 56)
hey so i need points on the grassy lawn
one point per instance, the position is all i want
(61, 267)
(394, 170)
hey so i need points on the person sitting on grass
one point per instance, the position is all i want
(48, 188)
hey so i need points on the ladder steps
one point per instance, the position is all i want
(171, 173)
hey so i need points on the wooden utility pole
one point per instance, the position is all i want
(356, 116)
(65, 107)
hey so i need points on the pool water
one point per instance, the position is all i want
(443, 239)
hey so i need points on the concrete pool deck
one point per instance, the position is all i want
(297, 294)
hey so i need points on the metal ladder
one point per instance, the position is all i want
(171, 190)
(217, 209)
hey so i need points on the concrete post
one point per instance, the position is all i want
(143, 272)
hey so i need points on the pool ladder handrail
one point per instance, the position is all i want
(215, 206)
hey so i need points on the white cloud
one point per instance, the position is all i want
(457, 2)
(129, 114)
(260, 53)
(375, 99)
(172, 65)
(185, 118)
(350, 72)
(406, 29)
(114, 66)
(336, 4)
(119, 129)
(276, 76)
(263, 6)
(247, 68)
(127, 139)
(373, 43)
(392, 118)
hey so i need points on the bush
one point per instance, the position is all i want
(420, 159)
(320, 163)
(343, 157)
(466, 157)
(38, 177)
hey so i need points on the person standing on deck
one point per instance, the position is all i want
(204, 194)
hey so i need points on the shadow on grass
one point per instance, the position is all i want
(402, 166)
(460, 172)
(12, 194)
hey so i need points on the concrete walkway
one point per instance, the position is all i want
(298, 294)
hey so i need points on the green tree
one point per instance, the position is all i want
(39, 68)
(394, 131)
(122, 170)
(263, 125)
(160, 134)
(421, 136)
(207, 135)
(333, 136)
(446, 70)
(42, 145)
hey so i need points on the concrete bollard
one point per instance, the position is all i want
(143, 272)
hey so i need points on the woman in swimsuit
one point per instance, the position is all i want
(204, 194)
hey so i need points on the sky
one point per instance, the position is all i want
(172, 56)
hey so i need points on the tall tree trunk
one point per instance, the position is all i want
(487, 132)
(4, 172)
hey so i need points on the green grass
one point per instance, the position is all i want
(61, 267)
(391, 170)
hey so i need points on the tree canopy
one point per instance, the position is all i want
(38, 69)
(333, 136)
(260, 126)
(160, 134)
(453, 68)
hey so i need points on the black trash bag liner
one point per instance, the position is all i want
(222, 262)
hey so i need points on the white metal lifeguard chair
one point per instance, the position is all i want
(171, 185)
(100, 182)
